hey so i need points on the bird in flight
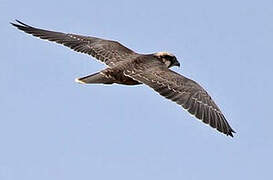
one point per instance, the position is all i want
(124, 66)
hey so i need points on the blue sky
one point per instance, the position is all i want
(53, 128)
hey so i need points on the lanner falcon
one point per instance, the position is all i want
(130, 68)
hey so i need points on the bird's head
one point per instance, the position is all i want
(168, 59)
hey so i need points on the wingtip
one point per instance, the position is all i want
(77, 80)
(20, 23)
(231, 133)
(14, 24)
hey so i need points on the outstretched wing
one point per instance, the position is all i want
(181, 90)
(107, 51)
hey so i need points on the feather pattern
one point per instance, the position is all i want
(130, 68)
(107, 51)
(185, 92)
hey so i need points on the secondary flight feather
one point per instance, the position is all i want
(124, 66)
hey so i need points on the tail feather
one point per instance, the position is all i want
(97, 78)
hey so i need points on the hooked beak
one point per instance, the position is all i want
(176, 63)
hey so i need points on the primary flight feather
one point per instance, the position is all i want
(130, 68)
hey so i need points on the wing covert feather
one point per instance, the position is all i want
(107, 51)
(185, 92)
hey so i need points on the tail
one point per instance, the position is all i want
(97, 78)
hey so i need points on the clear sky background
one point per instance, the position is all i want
(53, 128)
